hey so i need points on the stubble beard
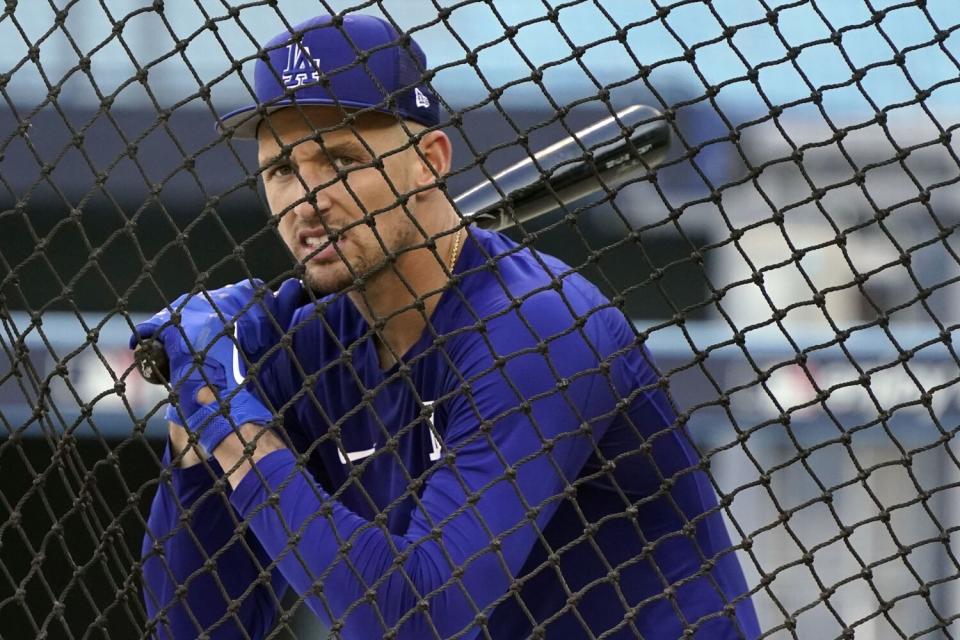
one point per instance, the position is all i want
(367, 266)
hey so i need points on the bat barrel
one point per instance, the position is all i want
(601, 156)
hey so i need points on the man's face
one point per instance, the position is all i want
(328, 201)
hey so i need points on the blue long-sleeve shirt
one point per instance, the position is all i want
(520, 470)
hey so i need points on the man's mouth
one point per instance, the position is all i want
(316, 246)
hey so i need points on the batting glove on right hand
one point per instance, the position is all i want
(203, 335)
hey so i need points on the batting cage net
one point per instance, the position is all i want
(479, 319)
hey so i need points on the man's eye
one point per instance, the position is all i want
(342, 163)
(279, 170)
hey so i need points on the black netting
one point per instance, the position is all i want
(601, 319)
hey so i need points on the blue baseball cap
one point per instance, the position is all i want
(350, 62)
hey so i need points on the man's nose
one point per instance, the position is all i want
(314, 199)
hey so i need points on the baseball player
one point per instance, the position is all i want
(440, 433)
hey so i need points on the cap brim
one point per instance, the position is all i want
(245, 121)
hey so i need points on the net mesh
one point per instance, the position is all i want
(790, 266)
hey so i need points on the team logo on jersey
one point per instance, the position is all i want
(434, 442)
(421, 98)
(301, 67)
(434, 455)
(353, 456)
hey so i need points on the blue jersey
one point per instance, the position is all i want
(518, 473)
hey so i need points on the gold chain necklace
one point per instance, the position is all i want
(455, 249)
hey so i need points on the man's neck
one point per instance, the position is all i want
(404, 297)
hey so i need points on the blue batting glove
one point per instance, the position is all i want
(213, 328)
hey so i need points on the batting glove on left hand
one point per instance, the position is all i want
(204, 335)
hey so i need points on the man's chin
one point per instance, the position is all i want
(334, 276)
(327, 278)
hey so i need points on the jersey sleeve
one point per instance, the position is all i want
(528, 400)
(199, 575)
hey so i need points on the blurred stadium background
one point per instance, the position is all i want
(793, 265)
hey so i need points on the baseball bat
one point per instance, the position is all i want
(603, 155)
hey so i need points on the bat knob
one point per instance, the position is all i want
(152, 361)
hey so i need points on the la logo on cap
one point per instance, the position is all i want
(301, 67)
(422, 100)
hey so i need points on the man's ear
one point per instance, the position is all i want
(436, 155)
